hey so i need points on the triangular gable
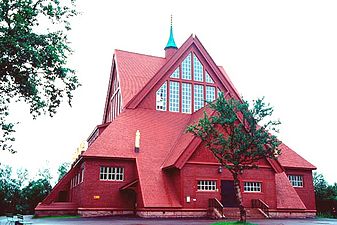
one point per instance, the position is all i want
(132, 71)
(173, 62)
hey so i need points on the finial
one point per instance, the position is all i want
(171, 43)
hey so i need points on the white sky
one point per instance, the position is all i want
(283, 50)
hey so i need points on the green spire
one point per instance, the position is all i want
(171, 43)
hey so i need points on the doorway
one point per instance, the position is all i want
(228, 198)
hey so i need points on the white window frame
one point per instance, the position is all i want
(252, 186)
(174, 96)
(199, 97)
(186, 98)
(206, 185)
(296, 180)
(186, 68)
(210, 93)
(198, 69)
(161, 97)
(111, 173)
(175, 74)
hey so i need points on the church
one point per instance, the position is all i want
(140, 161)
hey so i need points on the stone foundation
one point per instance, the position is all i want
(292, 214)
(172, 214)
(98, 213)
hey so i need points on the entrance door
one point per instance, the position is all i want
(228, 198)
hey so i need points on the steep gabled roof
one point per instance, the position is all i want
(134, 71)
(191, 41)
(290, 159)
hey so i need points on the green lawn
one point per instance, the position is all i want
(232, 223)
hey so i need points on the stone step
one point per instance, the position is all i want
(234, 213)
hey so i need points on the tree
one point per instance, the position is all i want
(238, 136)
(63, 169)
(33, 59)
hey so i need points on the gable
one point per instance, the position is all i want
(130, 72)
(194, 50)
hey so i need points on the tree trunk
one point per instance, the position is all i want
(239, 197)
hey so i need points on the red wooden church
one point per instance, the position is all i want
(141, 161)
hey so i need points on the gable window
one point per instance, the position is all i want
(111, 173)
(206, 185)
(198, 97)
(208, 78)
(186, 98)
(175, 74)
(186, 68)
(187, 88)
(198, 69)
(296, 180)
(174, 96)
(161, 97)
(210, 93)
(252, 187)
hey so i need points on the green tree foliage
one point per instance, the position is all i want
(19, 195)
(238, 136)
(326, 195)
(63, 169)
(34, 50)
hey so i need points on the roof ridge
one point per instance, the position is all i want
(137, 53)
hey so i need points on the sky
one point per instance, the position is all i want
(284, 50)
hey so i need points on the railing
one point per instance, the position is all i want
(258, 203)
(214, 203)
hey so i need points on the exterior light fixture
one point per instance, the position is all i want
(137, 141)
(220, 169)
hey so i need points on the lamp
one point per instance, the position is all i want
(137, 141)
(220, 169)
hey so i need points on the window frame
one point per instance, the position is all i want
(252, 187)
(206, 183)
(297, 183)
(112, 173)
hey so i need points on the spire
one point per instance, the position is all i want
(171, 43)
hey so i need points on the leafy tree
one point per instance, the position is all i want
(34, 193)
(238, 136)
(33, 59)
(9, 190)
(63, 169)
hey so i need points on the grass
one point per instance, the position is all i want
(233, 223)
(57, 217)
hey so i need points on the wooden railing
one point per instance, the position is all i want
(258, 203)
(214, 203)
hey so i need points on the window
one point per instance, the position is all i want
(186, 68)
(252, 187)
(111, 173)
(198, 69)
(206, 185)
(208, 78)
(295, 180)
(82, 175)
(161, 97)
(198, 97)
(175, 74)
(187, 88)
(210, 93)
(186, 97)
(219, 92)
(174, 96)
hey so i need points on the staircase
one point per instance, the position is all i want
(251, 213)
(215, 209)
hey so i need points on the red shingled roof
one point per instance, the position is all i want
(289, 158)
(135, 71)
(159, 131)
(287, 197)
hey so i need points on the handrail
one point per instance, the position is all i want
(214, 203)
(258, 203)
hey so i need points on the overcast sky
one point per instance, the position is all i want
(283, 50)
